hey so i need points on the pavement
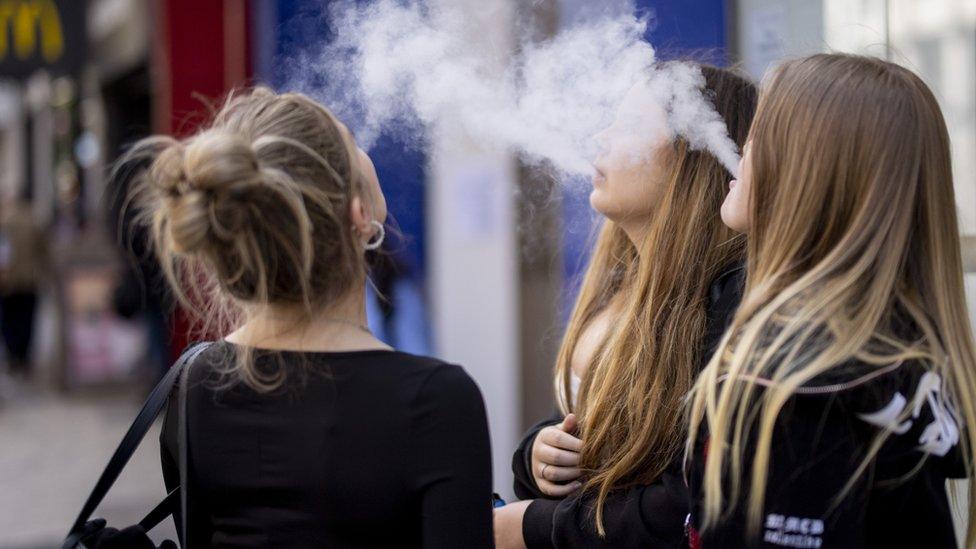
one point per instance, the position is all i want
(53, 447)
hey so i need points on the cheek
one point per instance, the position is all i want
(641, 185)
(379, 201)
(373, 185)
(641, 190)
(383, 209)
(626, 192)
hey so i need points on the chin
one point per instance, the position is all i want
(730, 220)
(726, 218)
(599, 203)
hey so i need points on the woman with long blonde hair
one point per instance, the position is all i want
(844, 393)
(658, 292)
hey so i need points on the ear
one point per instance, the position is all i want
(360, 217)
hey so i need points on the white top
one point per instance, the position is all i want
(574, 385)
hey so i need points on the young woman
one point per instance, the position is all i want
(660, 287)
(844, 394)
(304, 429)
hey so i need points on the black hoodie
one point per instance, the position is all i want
(821, 438)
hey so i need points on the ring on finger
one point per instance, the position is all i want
(543, 472)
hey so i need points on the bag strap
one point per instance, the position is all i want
(162, 510)
(137, 431)
(184, 442)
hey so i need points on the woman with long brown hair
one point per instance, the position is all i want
(844, 393)
(660, 286)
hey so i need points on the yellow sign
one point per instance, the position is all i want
(24, 20)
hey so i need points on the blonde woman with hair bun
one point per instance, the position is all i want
(843, 396)
(304, 430)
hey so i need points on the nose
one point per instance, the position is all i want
(602, 141)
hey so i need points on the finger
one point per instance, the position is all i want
(570, 424)
(555, 456)
(545, 437)
(558, 490)
(562, 440)
(560, 474)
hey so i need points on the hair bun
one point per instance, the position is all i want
(217, 162)
(254, 208)
(202, 176)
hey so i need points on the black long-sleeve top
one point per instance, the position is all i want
(650, 515)
(359, 449)
(820, 439)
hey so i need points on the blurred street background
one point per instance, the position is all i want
(484, 276)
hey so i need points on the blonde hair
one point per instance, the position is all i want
(253, 210)
(630, 399)
(853, 226)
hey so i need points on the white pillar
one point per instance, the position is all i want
(472, 255)
(770, 30)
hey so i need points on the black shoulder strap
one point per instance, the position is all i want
(137, 431)
(162, 510)
(184, 443)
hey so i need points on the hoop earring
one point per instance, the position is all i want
(381, 231)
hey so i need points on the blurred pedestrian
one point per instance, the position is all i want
(141, 290)
(22, 258)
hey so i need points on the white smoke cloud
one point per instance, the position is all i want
(691, 115)
(404, 67)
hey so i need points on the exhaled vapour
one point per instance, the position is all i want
(407, 67)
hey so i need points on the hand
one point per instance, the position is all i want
(508, 525)
(555, 458)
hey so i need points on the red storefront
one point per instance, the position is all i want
(201, 51)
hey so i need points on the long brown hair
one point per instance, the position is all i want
(630, 399)
(853, 222)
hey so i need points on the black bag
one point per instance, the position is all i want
(84, 528)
